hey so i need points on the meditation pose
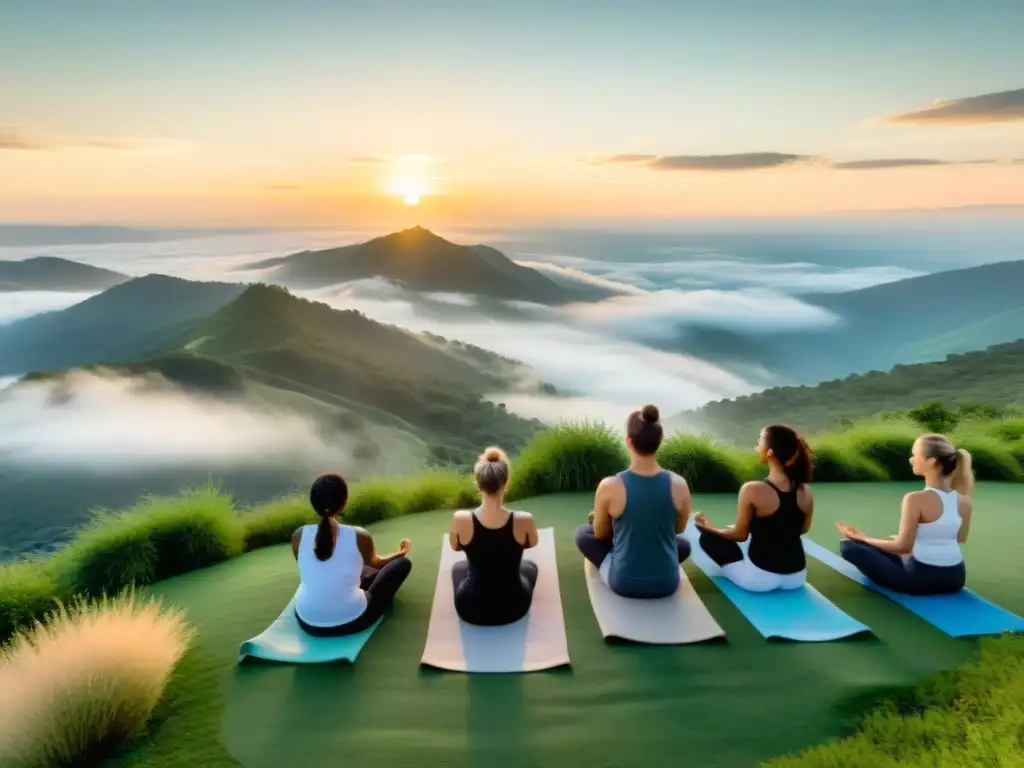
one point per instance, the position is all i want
(924, 558)
(774, 513)
(345, 586)
(493, 585)
(638, 514)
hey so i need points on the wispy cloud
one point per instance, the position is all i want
(999, 107)
(12, 138)
(378, 160)
(742, 161)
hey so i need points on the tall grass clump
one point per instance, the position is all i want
(74, 689)
(836, 461)
(971, 717)
(275, 521)
(707, 468)
(992, 459)
(158, 538)
(570, 457)
(382, 498)
(28, 591)
(888, 444)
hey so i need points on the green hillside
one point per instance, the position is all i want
(917, 319)
(994, 376)
(49, 273)
(422, 261)
(132, 320)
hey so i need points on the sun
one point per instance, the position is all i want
(410, 188)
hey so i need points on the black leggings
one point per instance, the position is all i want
(722, 551)
(596, 550)
(475, 607)
(907, 576)
(380, 586)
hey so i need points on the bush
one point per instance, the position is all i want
(571, 457)
(888, 445)
(74, 689)
(991, 458)
(1008, 430)
(274, 522)
(157, 538)
(27, 591)
(838, 462)
(706, 467)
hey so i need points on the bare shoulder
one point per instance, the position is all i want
(610, 483)
(966, 503)
(753, 488)
(522, 516)
(918, 495)
(678, 479)
(462, 514)
(805, 492)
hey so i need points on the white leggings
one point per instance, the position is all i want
(746, 575)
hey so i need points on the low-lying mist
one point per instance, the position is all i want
(115, 424)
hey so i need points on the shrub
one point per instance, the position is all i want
(839, 462)
(932, 417)
(157, 538)
(571, 457)
(888, 445)
(27, 592)
(991, 458)
(274, 522)
(74, 689)
(1008, 430)
(706, 467)
(436, 489)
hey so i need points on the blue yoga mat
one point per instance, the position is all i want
(961, 614)
(802, 614)
(286, 641)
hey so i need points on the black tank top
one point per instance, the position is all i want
(494, 556)
(775, 544)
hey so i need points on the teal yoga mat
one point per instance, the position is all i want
(961, 614)
(285, 641)
(802, 614)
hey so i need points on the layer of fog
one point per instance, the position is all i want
(14, 305)
(112, 424)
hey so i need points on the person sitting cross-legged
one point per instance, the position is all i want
(634, 539)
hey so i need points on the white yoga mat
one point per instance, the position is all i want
(537, 641)
(681, 618)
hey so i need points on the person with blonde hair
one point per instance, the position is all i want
(924, 558)
(493, 585)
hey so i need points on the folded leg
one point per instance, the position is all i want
(591, 547)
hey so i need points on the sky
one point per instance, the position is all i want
(334, 113)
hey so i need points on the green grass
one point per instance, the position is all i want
(732, 704)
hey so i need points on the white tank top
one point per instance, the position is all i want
(329, 593)
(936, 542)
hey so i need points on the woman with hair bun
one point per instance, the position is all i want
(924, 558)
(638, 515)
(344, 585)
(774, 513)
(493, 585)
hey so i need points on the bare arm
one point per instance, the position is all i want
(453, 531)
(903, 542)
(966, 513)
(682, 499)
(809, 514)
(529, 527)
(369, 551)
(602, 502)
(296, 538)
(744, 512)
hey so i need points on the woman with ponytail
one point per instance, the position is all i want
(345, 586)
(924, 558)
(774, 513)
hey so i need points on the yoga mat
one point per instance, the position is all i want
(537, 641)
(681, 618)
(962, 614)
(286, 641)
(802, 614)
